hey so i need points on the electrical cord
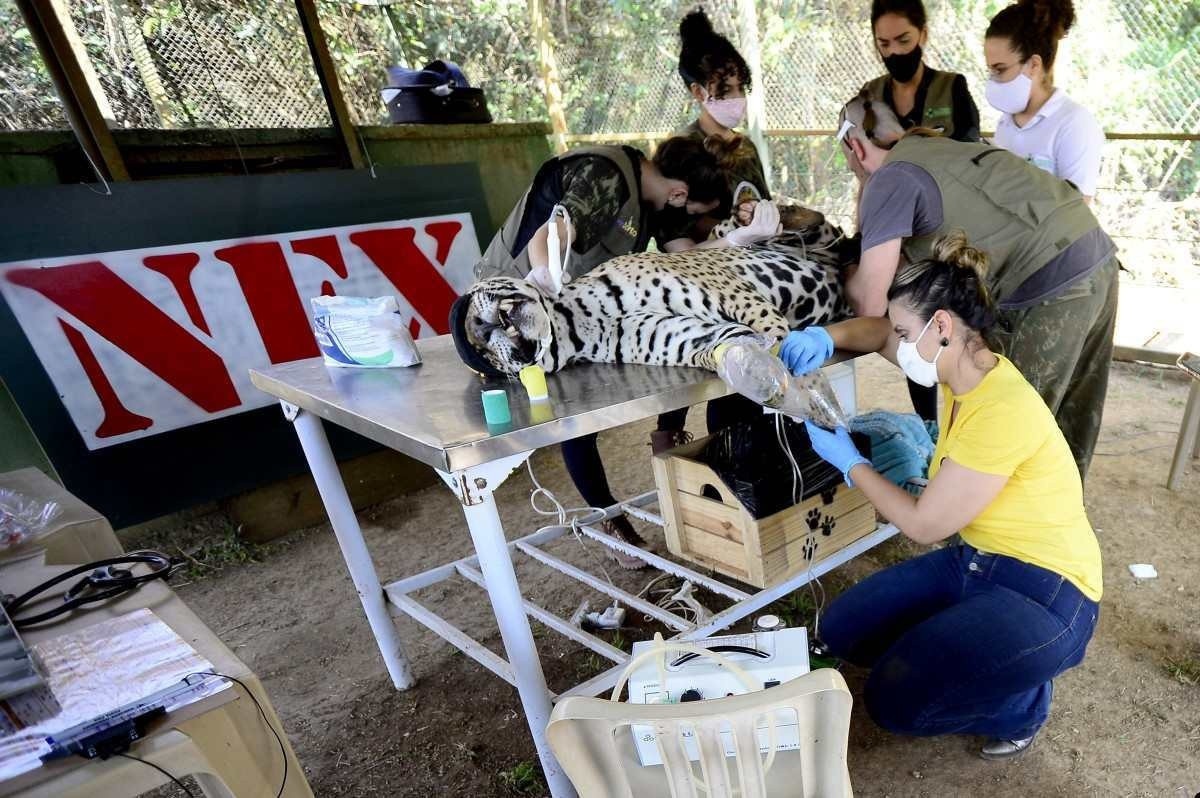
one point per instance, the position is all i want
(163, 771)
(678, 600)
(568, 517)
(798, 476)
(675, 599)
(105, 581)
(263, 713)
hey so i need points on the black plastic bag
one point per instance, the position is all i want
(749, 460)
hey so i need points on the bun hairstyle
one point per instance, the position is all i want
(953, 279)
(1034, 27)
(706, 56)
(699, 164)
(912, 10)
(731, 155)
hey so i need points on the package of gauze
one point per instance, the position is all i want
(365, 332)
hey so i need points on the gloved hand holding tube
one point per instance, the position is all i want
(764, 225)
(836, 448)
(806, 350)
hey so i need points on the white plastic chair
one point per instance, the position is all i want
(592, 741)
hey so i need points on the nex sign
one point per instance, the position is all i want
(145, 341)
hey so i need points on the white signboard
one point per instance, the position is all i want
(145, 341)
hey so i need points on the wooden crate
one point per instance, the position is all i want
(706, 524)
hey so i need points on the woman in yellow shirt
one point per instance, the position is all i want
(967, 638)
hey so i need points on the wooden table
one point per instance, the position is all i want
(78, 535)
(226, 727)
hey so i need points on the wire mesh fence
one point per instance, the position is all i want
(1134, 64)
(27, 97)
(489, 39)
(244, 63)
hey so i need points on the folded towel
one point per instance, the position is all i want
(901, 444)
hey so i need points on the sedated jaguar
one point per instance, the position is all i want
(655, 308)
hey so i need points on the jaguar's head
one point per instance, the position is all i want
(814, 236)
(501, 326)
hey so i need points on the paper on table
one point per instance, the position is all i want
(90, 672)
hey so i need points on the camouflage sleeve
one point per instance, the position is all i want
(593, 193)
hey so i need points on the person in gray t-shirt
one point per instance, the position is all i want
(1053, 270)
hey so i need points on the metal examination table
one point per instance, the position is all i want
(433, 413)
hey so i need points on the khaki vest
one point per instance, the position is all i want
(1020, 215)
(629, 233)
(938, 113)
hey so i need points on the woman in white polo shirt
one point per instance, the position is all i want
(1038, 121)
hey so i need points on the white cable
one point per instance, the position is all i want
(785, 444)
(568, 517)
(659, 651)
(107, 192)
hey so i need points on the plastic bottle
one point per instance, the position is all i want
(748, 366)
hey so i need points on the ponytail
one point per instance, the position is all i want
(953, 279)
(1034, 27)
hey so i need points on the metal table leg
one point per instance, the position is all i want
(349, 536)
(1188, 444)
(474, 488)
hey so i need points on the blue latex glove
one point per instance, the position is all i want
(805, 350)
(836, 448)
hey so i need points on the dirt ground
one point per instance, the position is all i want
(1124, 723)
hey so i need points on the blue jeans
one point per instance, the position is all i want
(961, 641)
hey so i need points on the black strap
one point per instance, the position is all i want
(984, 154)
(731, 649)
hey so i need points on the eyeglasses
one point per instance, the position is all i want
(846, 127)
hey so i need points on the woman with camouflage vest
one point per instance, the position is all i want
(919, 95)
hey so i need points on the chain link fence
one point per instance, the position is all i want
(489, 39)
(1134, 64)
(244, 64)
(27, 97)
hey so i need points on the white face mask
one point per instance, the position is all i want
(726, 113)
(1011, 97)
(915, 367)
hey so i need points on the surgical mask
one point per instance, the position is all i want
(902, 66)
(1011, 97)
(728, 112)
(914, 366)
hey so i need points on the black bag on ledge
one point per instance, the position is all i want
(439, 94)
(749, 460)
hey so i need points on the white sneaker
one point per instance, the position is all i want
(998, 748)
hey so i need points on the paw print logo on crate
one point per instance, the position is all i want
(809, 549)
(813, 519)
(816, 521)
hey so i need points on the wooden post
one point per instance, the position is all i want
(339, 114)
(756, 105)
(549, 69)
(126, 13)
(68, 66)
